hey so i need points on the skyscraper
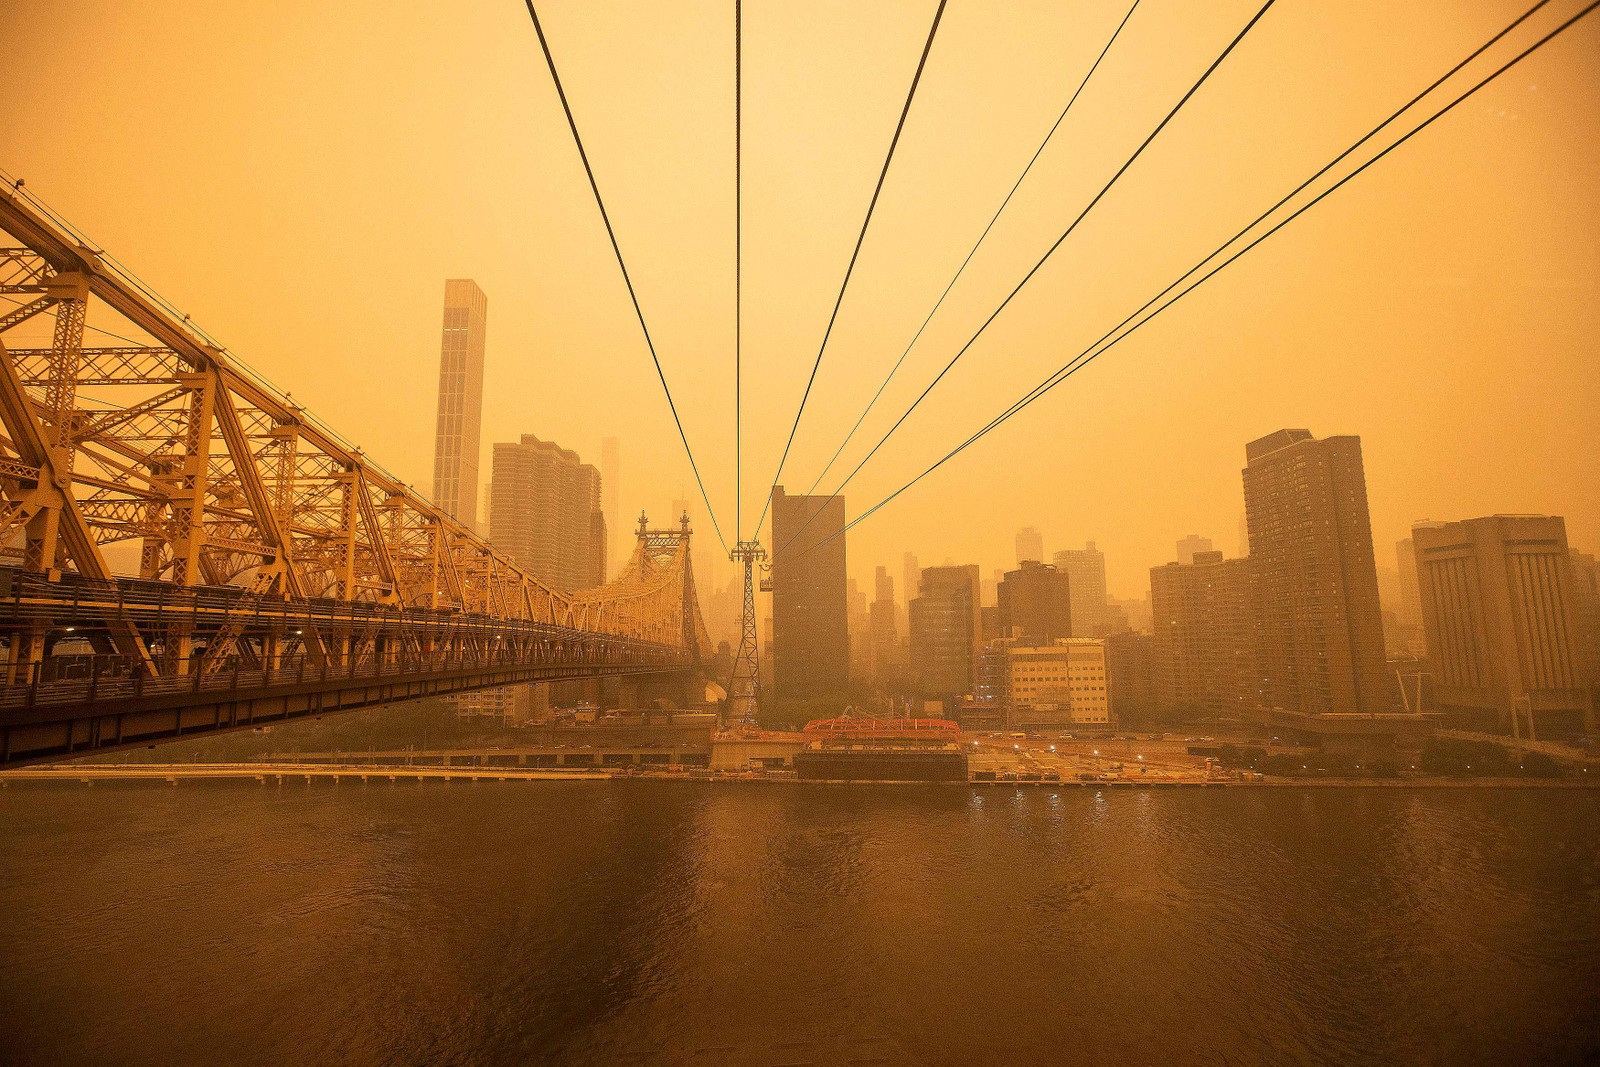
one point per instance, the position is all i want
(458, 434)
(1503, 622)
(946, 633)
(611, 499)
(1190, 545)
(1035, 604)
(1410, 607)
(885, 629)
(1204, 646)
(546, 513)
(1030, 545)
(1085, 569)
(859, 621)
(810, 634)
(1321, 632)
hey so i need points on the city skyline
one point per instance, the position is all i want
(888, 566)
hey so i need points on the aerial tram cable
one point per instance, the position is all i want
(937, 304)
(738, 270)
(1049, 252)
(862, 236)
(1108, 341)
(605, 217)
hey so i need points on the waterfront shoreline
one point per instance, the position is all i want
(172, 773)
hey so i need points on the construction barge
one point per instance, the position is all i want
(855, 749)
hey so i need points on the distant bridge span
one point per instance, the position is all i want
(272, 570)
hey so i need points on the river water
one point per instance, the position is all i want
(678, 923)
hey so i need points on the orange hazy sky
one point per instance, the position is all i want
(301, 177)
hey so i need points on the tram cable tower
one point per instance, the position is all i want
(744, 688)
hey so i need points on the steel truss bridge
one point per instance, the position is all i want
(267, 570)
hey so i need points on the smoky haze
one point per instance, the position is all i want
(301, 178)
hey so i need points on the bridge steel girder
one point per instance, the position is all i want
(51, 733)
(225, 482)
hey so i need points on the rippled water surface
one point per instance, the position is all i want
(637, 922)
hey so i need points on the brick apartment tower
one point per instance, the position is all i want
(1321, 632)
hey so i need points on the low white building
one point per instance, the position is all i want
(1062, 684)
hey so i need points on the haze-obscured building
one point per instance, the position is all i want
(546, 514)
(1408, 605)
(1035, 604)
(1085, 569)
(617, 524)
(458, 435)
(1321, 631)
(1131, 675)
(1204, 645)
(1190, 545)
(1500, 606)
(810, 610)
(1030, 545)
(888, 660)
(946, 633)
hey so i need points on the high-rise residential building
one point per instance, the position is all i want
(1501, 612)
(1030, 545)
(1320, 628)
(1035, 604)
(810, 613)
(1085, 569)
(1204, 643)
(458, 436)
(946, 633)
(1244, 535)
(546, 513)
(1131, 675)
(886, 657)
(1058, 685)
(611, 501)
(1190, 545)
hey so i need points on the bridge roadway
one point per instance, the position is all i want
(375, 654)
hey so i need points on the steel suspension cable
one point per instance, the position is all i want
(937, 304)
(850, 268)
(605, 217)
(738, 270)
(1204, 77)
(1108, 341)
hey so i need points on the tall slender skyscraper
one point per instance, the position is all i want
(1317, 581)
(458, 437)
